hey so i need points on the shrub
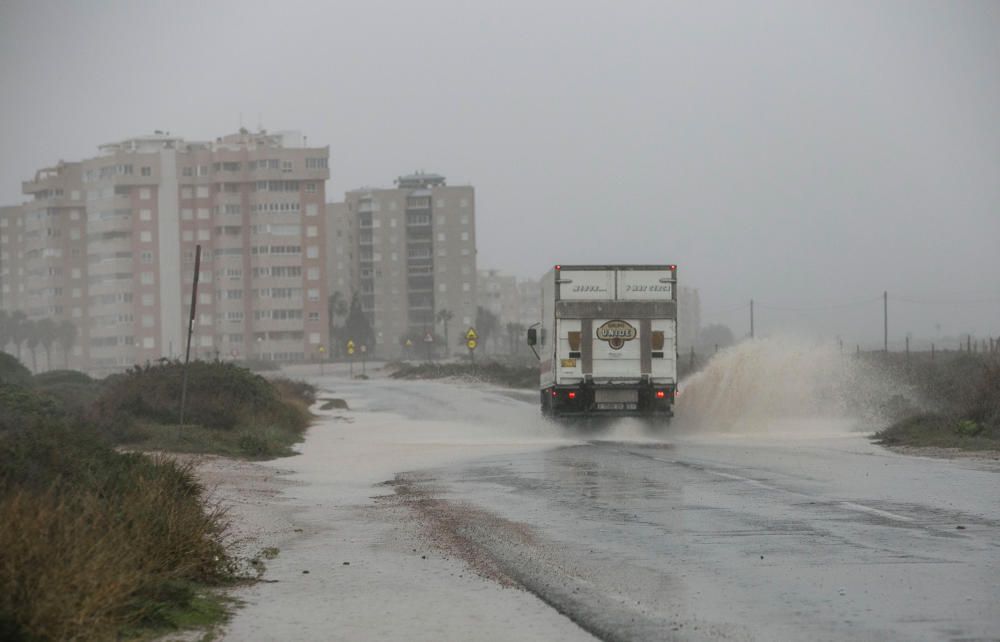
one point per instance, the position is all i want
(92, 539)
(13, 371)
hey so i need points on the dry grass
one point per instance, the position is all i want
(110, 543)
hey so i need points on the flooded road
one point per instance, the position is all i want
(618, 534)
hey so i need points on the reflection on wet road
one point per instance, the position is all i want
(741, 538)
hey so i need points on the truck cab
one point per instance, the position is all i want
(607, 341)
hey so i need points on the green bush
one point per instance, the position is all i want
(13, 371)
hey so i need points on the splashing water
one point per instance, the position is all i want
(783, 383)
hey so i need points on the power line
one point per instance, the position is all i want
(944, 301)
(820, 308)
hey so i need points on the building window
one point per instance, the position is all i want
(312, 231)
(145, 215)
(204, 235)
(148, 342)
(312, 252)
(312, 274)
(146, 236)
(202, 191)
(145, 194)
(146, 171)
(203, 213)
(312, 209)
(466, 287)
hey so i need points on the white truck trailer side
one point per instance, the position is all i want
(607, 341)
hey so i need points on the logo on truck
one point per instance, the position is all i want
(616, 332)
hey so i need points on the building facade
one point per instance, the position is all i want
(413, 255)
(109, 243)
(498, 294)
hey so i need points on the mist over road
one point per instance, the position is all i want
(618, 534)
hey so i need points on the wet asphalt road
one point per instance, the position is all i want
(817, 535)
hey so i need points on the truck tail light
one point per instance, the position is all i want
(660, 394)
(572, 395)
(554, 393)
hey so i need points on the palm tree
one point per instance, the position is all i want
(66, 336)
(19, 330)
(5, 327)
(514, 331)
(47, 335)
(487, 324)
(443, 316)
(32, 337)
(336, 307)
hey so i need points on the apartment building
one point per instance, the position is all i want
(11, 269)
(413, 249)
(529, 295)
(498, 294)
(688, 318)
(109, 242)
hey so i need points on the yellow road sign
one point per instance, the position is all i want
(471, 343)
(471, 334)
(350, 350)
(350, 344)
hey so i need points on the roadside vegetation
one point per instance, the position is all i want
(960, 401)
(230, 410)
(100, 541)
(513, 375)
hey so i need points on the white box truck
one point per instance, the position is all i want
(607, 341)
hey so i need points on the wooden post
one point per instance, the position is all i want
(885, 321)
(187, 350)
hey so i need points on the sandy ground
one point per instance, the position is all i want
(352, 566)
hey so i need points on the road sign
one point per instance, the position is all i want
(364, 348)
(428, 338)
(471, 344)
(350, 347)
(322, 349)
(409, 344)
(471, 334)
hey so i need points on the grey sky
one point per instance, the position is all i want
(804, 154)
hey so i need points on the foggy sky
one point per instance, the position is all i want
(804, 154)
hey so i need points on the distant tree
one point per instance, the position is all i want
(32, 338)
(337, 308)
(444, 317)
(514, 332)
(716, 335)
(66, 336)
(47, 335)
(5, 325)
(19, 325)
(487, 325)
(357, 327)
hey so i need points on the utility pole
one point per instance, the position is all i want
(187, 350)
(751, 318)
(885, 321)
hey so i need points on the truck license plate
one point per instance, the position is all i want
(616, 406)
